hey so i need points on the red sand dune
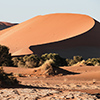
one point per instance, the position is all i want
(4, 25)
(86, 72)
(87, 76)
(66, 34)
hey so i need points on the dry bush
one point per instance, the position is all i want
(47, 67)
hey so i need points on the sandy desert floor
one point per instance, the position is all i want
(82, 86)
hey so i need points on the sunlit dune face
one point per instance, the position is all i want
(45, 29)
(23, 51)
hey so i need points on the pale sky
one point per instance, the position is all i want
(22, 10)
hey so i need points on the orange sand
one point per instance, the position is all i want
(87, 73)
(24, 51)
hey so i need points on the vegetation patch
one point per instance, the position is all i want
(33, 61)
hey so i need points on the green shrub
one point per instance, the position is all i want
(35, 61)
(32, 61)
(25, 58)
(68, 61)
(71, 62)
(5, 56)
(41, 61)
(93, 61)
(77, 58)
(55, 57)
(31, 64)
(15, 61)
(44, 56)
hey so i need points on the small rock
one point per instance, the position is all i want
(57, 85)
(62, 97)
(16, 92)
(70, 96)
(1, 92)
(94, 81)
(36, 98)
(78, 85)
(98, 95)
(53, 91)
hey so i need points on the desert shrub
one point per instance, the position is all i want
(41, 61)
(77, 58)
(20, 58)
(55, 57)
(68, 61)
(21, 64)
(25, 58)
(32, 61)
(97, 64)
(32, 57)
(15, 61)
(31, 64)
(71, 62)
(5, 56)
(35, 61)
(44, 56)
(93, 61)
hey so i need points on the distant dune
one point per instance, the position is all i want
(4, 25)
(63, 33)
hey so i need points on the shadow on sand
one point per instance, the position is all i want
(55, 69)
(24, 86)
(63, 71)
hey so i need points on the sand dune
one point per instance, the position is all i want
(61, 33)
(86, 72)
(88, 76)
(4, 25)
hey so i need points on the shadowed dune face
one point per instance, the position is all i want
(61, 33)
(4, 25)
(86, 45)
